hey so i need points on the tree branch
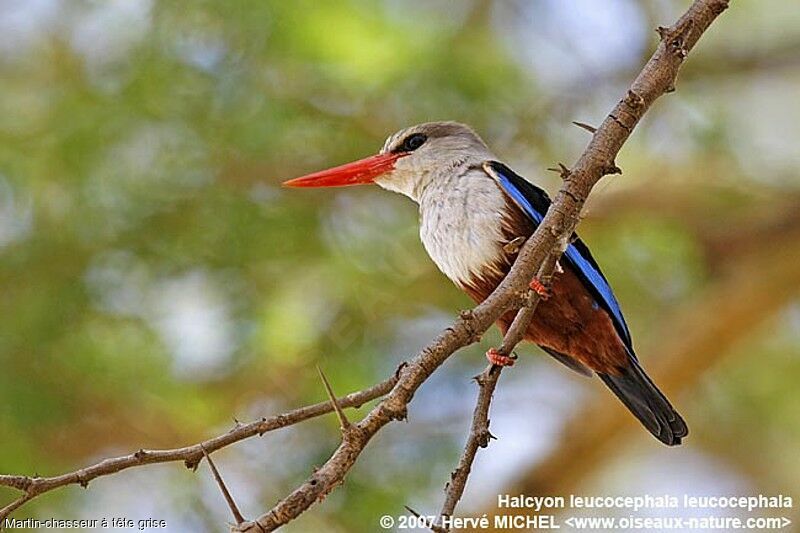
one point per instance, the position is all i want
(763, 282)
(190, 455)
(479, 435)
(657, 77)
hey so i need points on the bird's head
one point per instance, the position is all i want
(410, 159)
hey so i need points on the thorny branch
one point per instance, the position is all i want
(31, 487)
(479, 435)
(765, 278)
(598, 159)
(657, 77)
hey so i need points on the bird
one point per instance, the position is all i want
(474, 211)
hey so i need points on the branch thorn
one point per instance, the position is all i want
(343, 421)
(562, 170)
(228, 498)
(412, 511)
(513, 246)
(583, 125)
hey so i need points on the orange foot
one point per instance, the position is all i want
(496, 358)
(540, 289)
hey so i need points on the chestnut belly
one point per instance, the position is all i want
(570, 322)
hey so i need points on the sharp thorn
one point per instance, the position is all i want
(343, 421)
(562, 171)
(228, 498)
(514, 245)
(412, 511)
(583, 125)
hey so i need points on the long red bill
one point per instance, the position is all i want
(355, 173)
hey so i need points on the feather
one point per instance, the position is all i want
(534, 202)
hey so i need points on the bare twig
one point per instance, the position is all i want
(479, 435)
(190, 455)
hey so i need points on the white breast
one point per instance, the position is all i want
(461, 225)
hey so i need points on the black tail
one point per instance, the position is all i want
(647, 403)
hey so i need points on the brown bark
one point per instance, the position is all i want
(657, 77)
(749, 291)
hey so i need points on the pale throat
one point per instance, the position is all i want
(403, 182)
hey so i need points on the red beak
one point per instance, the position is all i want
(355, 173)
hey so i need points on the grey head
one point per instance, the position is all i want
(434, 151)
(439, 165)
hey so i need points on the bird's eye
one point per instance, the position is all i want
(414, 141)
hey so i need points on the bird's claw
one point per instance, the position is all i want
(541, 289)
(498, 359)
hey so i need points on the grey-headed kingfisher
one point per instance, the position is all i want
(471, 207)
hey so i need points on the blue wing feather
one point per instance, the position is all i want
(534, 202)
